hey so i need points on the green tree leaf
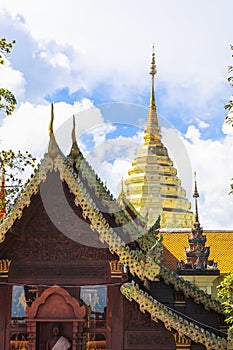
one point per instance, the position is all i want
(7, 99)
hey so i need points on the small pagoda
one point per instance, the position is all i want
(197, 261)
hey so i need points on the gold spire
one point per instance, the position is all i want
(196, 195)
(74, 149)
(152, 131)
(153, 71)
(53, 147)
(152, 186)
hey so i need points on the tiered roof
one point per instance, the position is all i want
(197, 253)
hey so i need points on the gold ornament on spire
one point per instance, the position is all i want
(51, 121)
(74, 149)
(53, 148)
(153, 71)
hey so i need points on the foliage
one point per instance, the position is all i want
(225, 293)
(5, 49)
(7, 99)
(229, 105)
(14, 164)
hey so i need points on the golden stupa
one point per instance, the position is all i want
(153, 187)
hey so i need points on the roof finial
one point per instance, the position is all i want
(74, 149)
(53, 147)
(122, 184)
(51, 121)
(153, 71)
(152, 131)
(196, 195)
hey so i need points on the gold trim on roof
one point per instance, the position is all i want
(122, 217)
(74, 149)
(24, 199)
(4, 267)
(189, 290)
(53, 148)
(145, 268)
(116, 268)
(172, 320)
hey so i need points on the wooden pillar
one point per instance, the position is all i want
(31, 329)
(74, 335)
(80, 335)
(115, 330)
(5, 316)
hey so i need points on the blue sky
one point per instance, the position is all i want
(81, 54)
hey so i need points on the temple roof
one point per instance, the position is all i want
(220, 242)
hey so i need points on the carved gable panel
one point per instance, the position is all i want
(153, 340)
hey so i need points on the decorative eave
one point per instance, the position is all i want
(171, 319)
(189, 290)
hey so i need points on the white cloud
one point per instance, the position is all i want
(112, 150)
(57, 59)
(193, 134)
(210, 159)
(12, 80)
(227, 129)
(100, 132)
(113, 173)
(192, 57)
(202, 124)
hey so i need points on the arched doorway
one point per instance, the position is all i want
(55, 305)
